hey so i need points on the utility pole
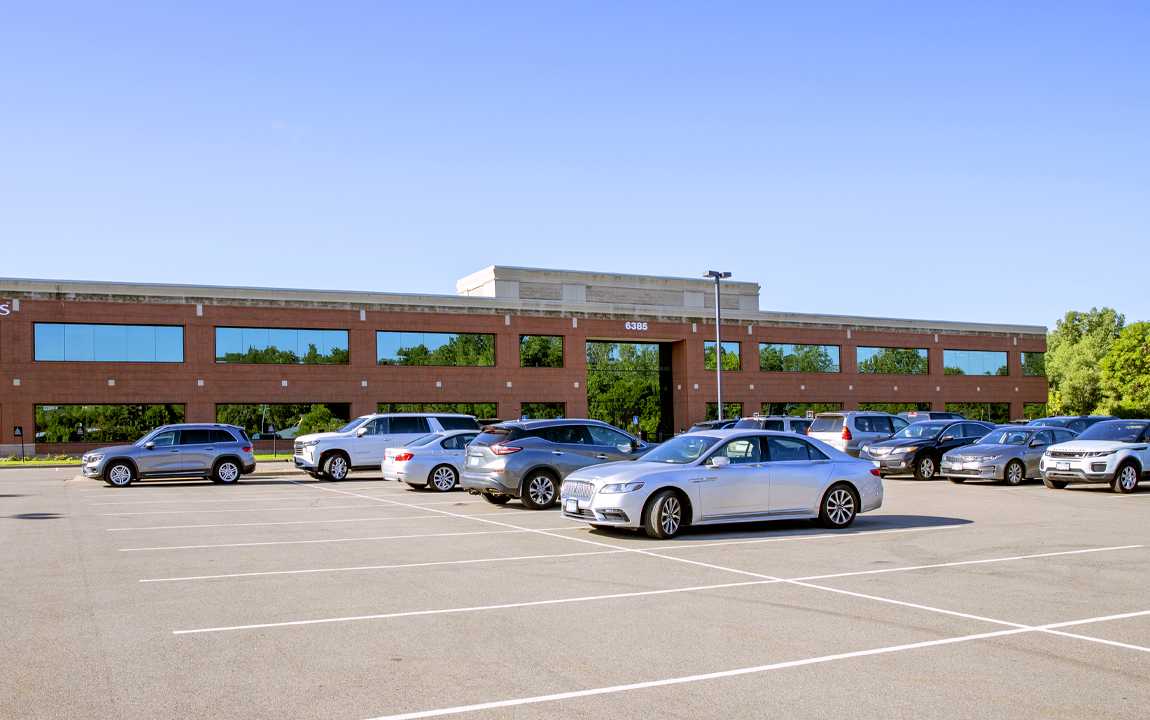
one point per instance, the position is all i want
(718, 335)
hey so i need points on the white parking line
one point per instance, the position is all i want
(185, 512)
(333, 540)
(258, 498)
(316, 522)
(749, 670)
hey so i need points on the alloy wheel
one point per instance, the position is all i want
(542, 490)
(228, 472)
(443, 479)
(120, 475)
(926, 468)
(670, 515)
(840, 506)
(337, 468)
(1128, 478)
(1014, 474)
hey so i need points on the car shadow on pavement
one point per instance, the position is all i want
(797, 528)
(35, 516)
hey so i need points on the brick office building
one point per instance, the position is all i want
(197, 349)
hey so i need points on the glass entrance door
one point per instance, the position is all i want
(629, 386)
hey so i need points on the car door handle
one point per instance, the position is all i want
(602, 457)
(705, 479)
(176, 450)
(556, 452)
(209, 448)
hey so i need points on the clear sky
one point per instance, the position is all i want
(985, 162)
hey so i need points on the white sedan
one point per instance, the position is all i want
(723, 476)
(433, 461)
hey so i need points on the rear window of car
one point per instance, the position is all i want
(405, 425)
(458, 423)
(222, 436)
(747, 423)
(497, 434)
(800, 426)
(827, 424)
(425, 440)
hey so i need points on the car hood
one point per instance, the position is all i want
(976, 450)
(114, 450)
(319, 436)
(623, 471)
(1094, 446)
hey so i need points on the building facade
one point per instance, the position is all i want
(637, 351)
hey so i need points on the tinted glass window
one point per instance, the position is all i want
(1115, 430)
(458, 423)
(773, 425)
(406, 425)
(451, 443)
(864, 424)
(565, 434)
(168, 437)
(973, 362)
(607, 436)
(898, 424)
(291, 346)
(827, 424)
(425, 440)
(1077, 425)
(800, 426)
(108, 343)
(497, 434)
(740, 451)
(445, 349)
(1046, 437)
(798, 358)
(222, 436)
(378, 426)
(1061, 436)
(786, 449)
(195, 437)
(746, 423)
(881, 425)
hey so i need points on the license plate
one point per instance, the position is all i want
(572, 505)
(473, 460)
(1061, 466)
(956, 466)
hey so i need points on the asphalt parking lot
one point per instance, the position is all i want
(366, 599)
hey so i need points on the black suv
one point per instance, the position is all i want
(1075, 423)
(919, 447)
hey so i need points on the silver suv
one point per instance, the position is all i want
(363, 442)
(849, 429)
(220, 452)
(529, 459)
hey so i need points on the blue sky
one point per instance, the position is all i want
(970, 161)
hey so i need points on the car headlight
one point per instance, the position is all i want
(94, 457)
(904, 450)
(984, 458)
(309, 443)
(1100, 453)
(621, 487)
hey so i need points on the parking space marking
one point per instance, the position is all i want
(746, 671)
(335, 540)
(259, 498)
(283, 522)
(185, 512)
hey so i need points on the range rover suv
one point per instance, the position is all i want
(220, 452)
(363, 442)
(1115, 452)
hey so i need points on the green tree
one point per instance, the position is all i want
(801, 358)
(541, 351)
(1125, 373)
(1075, 349)
(901, 361)
(730, 356)
(463, 350)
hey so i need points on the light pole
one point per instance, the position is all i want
(718, 335)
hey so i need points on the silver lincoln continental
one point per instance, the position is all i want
(724, 476)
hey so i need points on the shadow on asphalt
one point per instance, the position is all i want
(797, 528)
(35, 516)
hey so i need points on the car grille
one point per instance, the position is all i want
(578, 488)
(298, 447)
(585, 514)
(879, 452)
(1067, 453)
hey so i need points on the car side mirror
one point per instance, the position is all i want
(626, 449)
(361, 432)
(150, 445)
(720, 462)
(948, 437)
(1036, 443)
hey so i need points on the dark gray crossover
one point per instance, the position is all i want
(220, 452)
(529, 459)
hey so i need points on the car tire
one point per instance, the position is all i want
(663, 516)
(336, 467)
(226, 472)
(1126, 479)
(839, 507)
(957, 481)
(540, 490)
(926, 467)
(1014, 473)
(1054, 484)
(496, 499)
(120, 474)
(442, 478)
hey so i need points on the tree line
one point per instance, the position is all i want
(1096, 364)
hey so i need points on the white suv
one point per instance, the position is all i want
(362, 443)
(1116, 452)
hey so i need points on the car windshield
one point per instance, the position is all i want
(425, 440)
(1006, 437)
(681, 450)
(1050, 422)
(1114, 431)
(922, 430)
(353, 424)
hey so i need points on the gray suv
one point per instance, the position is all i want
(849, 429)
(529, 459)
(220, 452)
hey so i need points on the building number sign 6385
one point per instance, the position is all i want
(636, 326)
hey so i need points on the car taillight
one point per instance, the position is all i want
(403, 457)
(248, 448)
(502, 449)
(875, 472)
(846, 433)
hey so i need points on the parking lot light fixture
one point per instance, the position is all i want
(718, 275)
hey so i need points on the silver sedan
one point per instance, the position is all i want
(1011, 454)
(433, 461)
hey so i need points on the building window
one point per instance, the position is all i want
(798, 358)
(283, 346)
(283, 420)
(1034, 365)
(973, 362)
(894, 408)
(543, 410)
(799, 409)
(730, 409)
(452, 349)
(990, 412)
(67, 342)
(541, 351)
(894, 361)
(481, 411)
(1031, 411)
(730, 355)
(102, 424)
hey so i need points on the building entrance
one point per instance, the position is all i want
(629, 385)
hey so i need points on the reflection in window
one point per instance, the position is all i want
(541, 351)
(799, 409)
(543, 410)
(974, 362)
(730, 355)
(263, 420)
(1034, 364)
(67, 342)
(798, 358)
(731, 410)
(894, 408)
(103, 424)
(481, 411)
(895, 361)
(1031, 411)
(990, 412)
(452, 349)
(285, 346)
